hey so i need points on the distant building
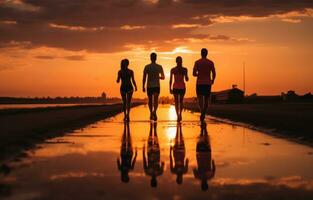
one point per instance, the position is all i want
(233, 95)
(103, 95)
(290, 96)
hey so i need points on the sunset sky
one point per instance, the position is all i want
(74, 47)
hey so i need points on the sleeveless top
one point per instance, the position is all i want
(204, 67)
(126, 78)
(179, 82)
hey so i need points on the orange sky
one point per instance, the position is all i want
(51, 50)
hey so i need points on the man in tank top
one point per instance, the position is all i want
(204, 70)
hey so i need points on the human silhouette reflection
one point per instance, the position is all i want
(127, 161)
(153, 167)
(180, 167)
(206, 165)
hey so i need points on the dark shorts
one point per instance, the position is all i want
(126, 89)
(179, 91)
(204, 90)
(153, 90)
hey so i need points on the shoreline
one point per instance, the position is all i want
(291, 122)
(22, 129)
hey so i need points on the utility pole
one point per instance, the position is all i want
(244, 77)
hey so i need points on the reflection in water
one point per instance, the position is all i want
(153, 168)
(127, 161)
(85, 166)
(181, 166)
(206, 165)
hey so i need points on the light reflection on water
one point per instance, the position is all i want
(164, 160)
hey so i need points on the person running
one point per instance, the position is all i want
(205, 164)
(127, 160)
(128, 80)
(154, 72)
(203, 69)
(153, 167)
(179, 166)
(180, 74)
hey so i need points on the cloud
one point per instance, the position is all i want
(15, 44)
(110, 26)
(186, 26)
(70, 57)
(75, 57)
(292, 17)
(45, 57)
(76, 28)
(127, 27)
(19, 5)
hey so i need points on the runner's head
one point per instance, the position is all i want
(153, 57)
(204, 185)
(153, 182)
(204, 53)
(179, 179)
(179, 61)
(124, 177)
(124, 64)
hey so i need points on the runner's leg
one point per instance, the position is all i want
(176, 105)
(150, 103)
(156, 104)
(123, 94)
(129, 99)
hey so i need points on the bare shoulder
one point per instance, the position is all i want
(210, 61)
(197, 62)
(160, 67)
(146, 68)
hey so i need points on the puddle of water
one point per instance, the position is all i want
(163, 160)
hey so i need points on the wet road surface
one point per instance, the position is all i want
(163, 160)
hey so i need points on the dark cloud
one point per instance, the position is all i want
(71, 57)
(45, 57)
(75, 57)
(95, 25)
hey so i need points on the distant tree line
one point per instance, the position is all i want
(57, 100)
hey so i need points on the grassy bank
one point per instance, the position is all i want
(288, 119)
(23, 128)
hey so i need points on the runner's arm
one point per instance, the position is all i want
(213, 74)
(162, 77)
(186, 165)
(118, 77)
(171, 81)
(144, 158)
(133, 80)
(186, 75)
(213, 164)
(171, 159)
(195, 70)
(144, 80)
(134, 159)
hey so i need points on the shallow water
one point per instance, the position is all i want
(224, 162)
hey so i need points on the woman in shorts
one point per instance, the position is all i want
(178, 89)
(126, 89)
